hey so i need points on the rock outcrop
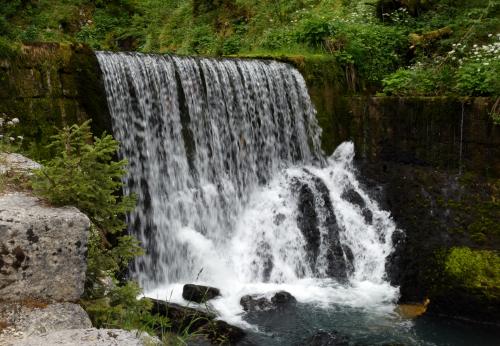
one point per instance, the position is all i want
(42, 250)
(91, 337)
(32, 318)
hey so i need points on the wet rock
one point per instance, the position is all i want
(255, 303)
(199, 293)
(323, 338)
(307, 221)
(312, 190)
(42, 250)
(280, 300)
(181, 317)
(201, 322)
(353, 197)
(217, 331)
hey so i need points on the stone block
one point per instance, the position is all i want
(42, 250)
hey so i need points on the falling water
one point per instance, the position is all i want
(233, 189)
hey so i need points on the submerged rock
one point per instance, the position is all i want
(42, 250)
(323, 338)
(199, 293)
(280, 300)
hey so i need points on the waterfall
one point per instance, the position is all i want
(232, 186)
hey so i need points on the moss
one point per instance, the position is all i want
(477, 271)
(50, 85)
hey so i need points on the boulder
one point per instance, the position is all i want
(254, 303)
(33, 318)
(91, 337)
(17, 164)
(42, 250)
(198, 293)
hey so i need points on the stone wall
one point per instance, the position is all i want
(52, 85)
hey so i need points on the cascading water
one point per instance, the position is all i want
(233, 189)
(234, 192)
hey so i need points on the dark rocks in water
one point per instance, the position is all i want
(181, 317)
(203, 323)
(323, 338)
(353, 197)
(307, 221)
(255, 303)
(220, 332)
(281, 300)
(199, 293)
(309, 205)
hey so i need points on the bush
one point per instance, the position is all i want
(314, 31)
(231, 45)
(84, 174)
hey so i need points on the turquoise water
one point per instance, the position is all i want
(362, 327)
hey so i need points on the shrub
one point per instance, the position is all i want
(314, 31)
(231, 45)
(84, 174)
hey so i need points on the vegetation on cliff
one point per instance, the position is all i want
(424, 47)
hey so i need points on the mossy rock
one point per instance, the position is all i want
(466, 284)
(48, 86)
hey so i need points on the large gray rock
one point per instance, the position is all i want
(42, 250)
(17, 163)
(90, 337)
(31, 318)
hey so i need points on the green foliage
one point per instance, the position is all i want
(83, 174)
(474, 270)
(314, 31)
(121, 309)
(370, 41)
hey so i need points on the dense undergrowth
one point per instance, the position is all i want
(401, 47)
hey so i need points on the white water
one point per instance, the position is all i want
(220, 153)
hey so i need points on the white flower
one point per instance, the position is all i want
(15, 121)
(10, 123)
(20, 137)
(12, 139)
(490, 35)
(1, 136)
